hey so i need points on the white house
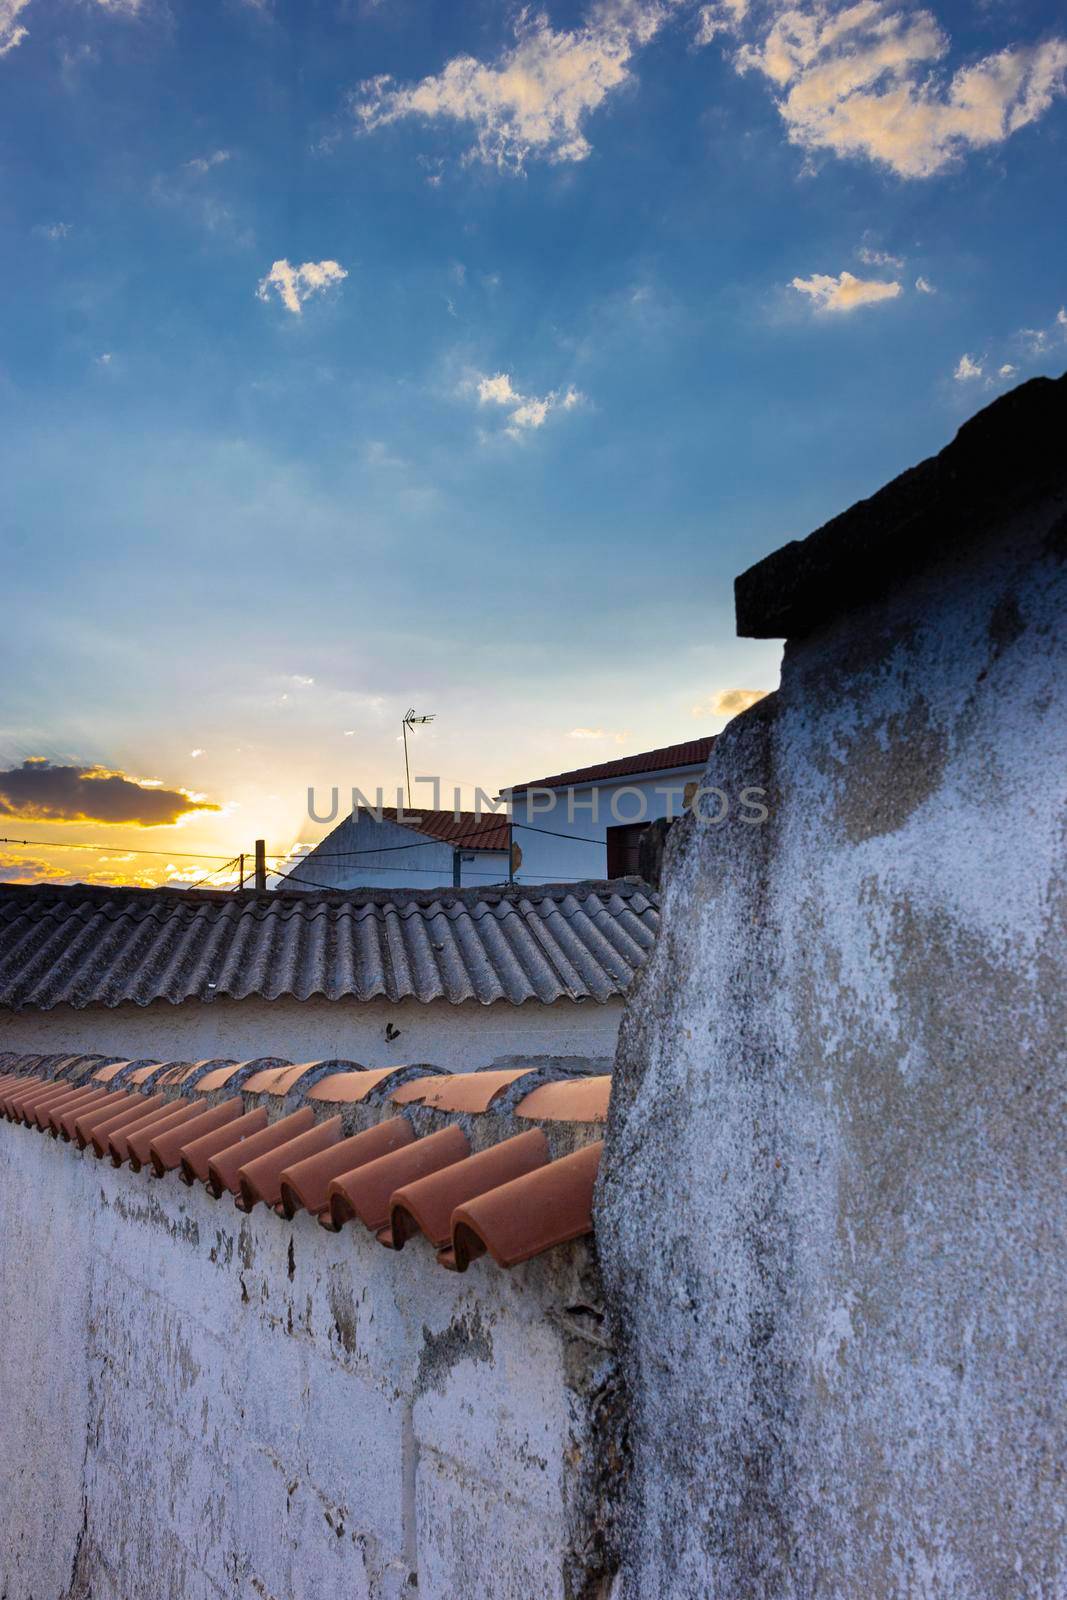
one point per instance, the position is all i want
(587, 823)
(410, 849)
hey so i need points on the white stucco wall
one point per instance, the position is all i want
(361, 852)
(832, 1214)
(459, 1038)
(586, 812)
(199, 1405)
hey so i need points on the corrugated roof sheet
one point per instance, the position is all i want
(693, 753)
(469, 1187)
(80, 946)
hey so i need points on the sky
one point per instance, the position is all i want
(359, 355)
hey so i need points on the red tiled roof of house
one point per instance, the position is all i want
(471, 830)
(693, 753)
(409, 1151)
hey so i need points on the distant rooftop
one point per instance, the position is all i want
(693, 753)
(473, 830)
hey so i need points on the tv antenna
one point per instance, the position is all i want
(411, 721)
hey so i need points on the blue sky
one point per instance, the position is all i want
(357, 355)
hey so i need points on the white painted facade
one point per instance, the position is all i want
(363, 852)
(582, 814)
(376, 1033)
(204, 1405)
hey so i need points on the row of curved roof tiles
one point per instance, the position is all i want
(510, 1199)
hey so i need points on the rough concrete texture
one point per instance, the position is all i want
(202, 1404)
(377, 1034)
(831, 1215)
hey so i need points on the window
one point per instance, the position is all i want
(624, 845)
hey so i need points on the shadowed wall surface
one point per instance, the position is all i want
(831, 1205)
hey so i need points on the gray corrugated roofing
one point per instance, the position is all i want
(81, 946)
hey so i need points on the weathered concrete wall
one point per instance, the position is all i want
(832, 1215)
(460, 1038)
(201, 1404)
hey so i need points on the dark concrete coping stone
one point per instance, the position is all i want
(1011, 455)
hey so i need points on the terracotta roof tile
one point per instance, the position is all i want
(306, 1183)
(261, 1178)
(118, 1137)
(53, 1118)
(367, 1192)
(569, 1100)
(165, 1149)
(457, 1091)
(523, 1218)
(194, 1156)
(509, 1199)
(98, 1130)
(110, 1072)
(427, 1204)
(693, 753)
(139, 1141)
(224, 1167)
(80, 1127)
(348, 1088)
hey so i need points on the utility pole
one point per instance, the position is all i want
(261, 865)
(411, 721)
(241, 871)
(511, 851)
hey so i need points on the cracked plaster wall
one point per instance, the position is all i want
(831, 1212)
(201, 1404)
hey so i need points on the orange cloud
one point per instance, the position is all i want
(41, 792)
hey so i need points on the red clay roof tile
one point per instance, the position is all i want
(523, 1218)
(457, 1091)
(165, 1149)
(367, 1192)
(306, 1183)
(118, 1138)
(110, 1072)
(428, 1203)
(96, 1129)
(138, 1142)
(568, 1100)
(224, 1167)
(194, 1156)
(693, 753)
(348, 1088)
(52, 1117)
(261, 1178)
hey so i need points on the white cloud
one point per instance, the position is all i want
(619, 737)
(861, 79)
(197, 752)
(1007, 370)
(534, 99)
(12, 32)
(844, 293)
(54, 230)
(728, 702)
(880, 258)
(105, 360)
(1061, 317)
(725, 16)
(294, 285)
(924, 286)
(967, 369)
(202, 164)
(524, 411)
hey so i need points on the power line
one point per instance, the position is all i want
(128, 850)
(213, 872)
